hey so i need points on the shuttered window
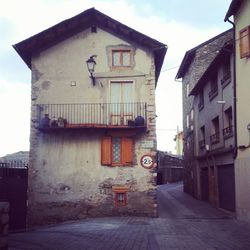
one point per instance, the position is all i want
(106, 151)
(244, 36)
(117, 151)
(127, 151)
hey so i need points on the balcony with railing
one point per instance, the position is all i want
(215, 138)
(228, 132)
(91, 115)
(202, 144)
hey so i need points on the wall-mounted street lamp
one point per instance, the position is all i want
(91, 68)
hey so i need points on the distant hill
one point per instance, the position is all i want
(18, 156)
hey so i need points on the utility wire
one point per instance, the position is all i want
(170, 68)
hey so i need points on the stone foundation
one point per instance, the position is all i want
(138, 204)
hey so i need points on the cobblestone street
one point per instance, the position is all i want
(183, 223)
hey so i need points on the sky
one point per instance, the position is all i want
(180, 24)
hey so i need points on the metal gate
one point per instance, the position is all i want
(226, 187)
(13, 189)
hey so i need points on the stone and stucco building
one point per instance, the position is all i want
(240, 10)
(208, 114)
(89, 135)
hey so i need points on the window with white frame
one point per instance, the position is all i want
(121, 58)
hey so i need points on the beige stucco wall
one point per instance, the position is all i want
(242, 164)
(66, 178)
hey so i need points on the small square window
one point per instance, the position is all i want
(121, 58)
(120, 198)
(120, 195)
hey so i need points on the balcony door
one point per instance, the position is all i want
(121, 98)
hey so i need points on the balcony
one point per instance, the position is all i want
(202, 144)
(228, 132)
(91, 115)
(215, 138)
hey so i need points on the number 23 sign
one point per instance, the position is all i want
(147, 161)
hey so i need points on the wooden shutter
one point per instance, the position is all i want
(127, 151)
(106, 150)
(244, 42)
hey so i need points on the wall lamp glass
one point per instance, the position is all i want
(91, 68)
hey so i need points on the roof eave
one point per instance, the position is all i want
(83, 21)
(185, 63)
(233, 8)
(159, 56)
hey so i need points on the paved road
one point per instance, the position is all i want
(184, 223)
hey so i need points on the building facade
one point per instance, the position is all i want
(240, 10)
(93, 140)
(207, 75)
(179, 143)
(169, 168)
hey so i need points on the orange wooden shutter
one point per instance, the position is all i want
(127, 151)
(244, 42)
(106, 151)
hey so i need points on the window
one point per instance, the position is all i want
(187, 120)
(244, 37)
(213, 86)
(228, 123)
(202, 138)
(192, 115)
(120, 195)
(226, 71)
(187, 90)
(121, 97)
(215, 132)
(121, 58)
(117, 151)
(201, 100)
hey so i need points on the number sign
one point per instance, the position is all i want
(147, 161)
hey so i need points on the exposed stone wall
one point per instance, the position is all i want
(4, 225)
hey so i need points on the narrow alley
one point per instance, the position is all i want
(184, 223)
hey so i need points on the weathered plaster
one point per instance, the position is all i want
(66, 178)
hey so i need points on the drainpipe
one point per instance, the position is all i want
(234, 90)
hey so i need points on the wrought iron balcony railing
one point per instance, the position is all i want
(228, 132)
(88, 115)
(202, 144)
(215, 138)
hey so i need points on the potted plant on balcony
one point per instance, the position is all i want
(61, 122)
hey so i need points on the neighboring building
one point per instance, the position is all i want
(13, 187)
(169, 168)
(179, 143)
(207, 75)
(240, 9)
(22, 156)
(89, 134)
